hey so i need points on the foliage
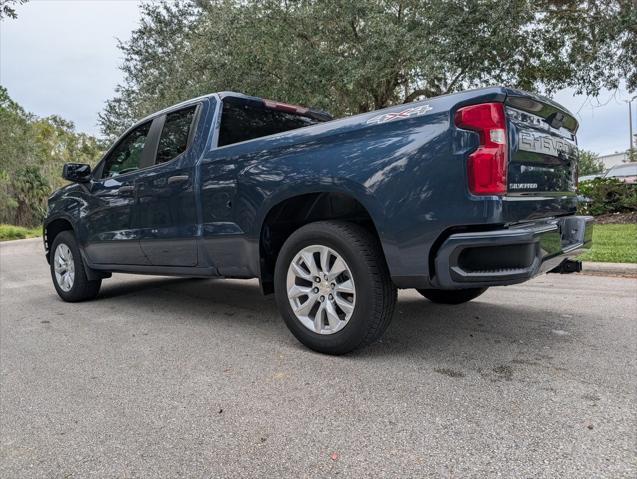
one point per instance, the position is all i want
(613, 244)
(589, 163)
(10, 232)
(30, 188)
(351, 56)
(7, 10)
(607, 195)
(32, 153)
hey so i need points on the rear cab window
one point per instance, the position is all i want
(247, 119)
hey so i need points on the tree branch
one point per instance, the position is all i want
(455, 79)
(352, 24)
(416, 93)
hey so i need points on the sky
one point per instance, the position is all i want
(61, 57)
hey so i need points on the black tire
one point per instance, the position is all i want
(375, 291)
(82, 288)
(451, 296)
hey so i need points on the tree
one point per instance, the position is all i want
(32, 153)
(351, 56)
(7, 10)
(30, 190)
(589, 163)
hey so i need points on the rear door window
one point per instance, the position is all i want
(175, 134)
(241, 122)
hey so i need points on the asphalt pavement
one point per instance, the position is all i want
(167, 377)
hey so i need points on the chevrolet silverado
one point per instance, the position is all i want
(449, 196)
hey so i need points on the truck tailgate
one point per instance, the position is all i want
(542, 169)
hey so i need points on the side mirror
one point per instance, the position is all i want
(77, 172)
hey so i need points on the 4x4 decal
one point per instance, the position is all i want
(408, 113)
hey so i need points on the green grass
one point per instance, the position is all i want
(9, 232)
(613, 244)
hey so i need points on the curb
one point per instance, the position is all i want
(623, 269)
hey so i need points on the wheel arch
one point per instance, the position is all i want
(292, 211)
(53, 228)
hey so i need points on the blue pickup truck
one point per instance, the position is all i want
(449, 196)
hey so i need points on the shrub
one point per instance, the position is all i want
(607, 195)
(10, 232)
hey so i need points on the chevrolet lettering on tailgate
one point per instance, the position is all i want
(545, 144)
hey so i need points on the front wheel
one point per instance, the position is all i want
(451, 296)
(67, 270)
(333, 287)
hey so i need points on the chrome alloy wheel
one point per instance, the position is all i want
(64, 267)
(321, 289)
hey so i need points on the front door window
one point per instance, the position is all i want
(127, 155)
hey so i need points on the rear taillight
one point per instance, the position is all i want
(487, 166)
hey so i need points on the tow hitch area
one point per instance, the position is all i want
(567, 266)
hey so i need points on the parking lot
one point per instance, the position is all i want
(166, 377)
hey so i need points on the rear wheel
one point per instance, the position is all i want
(67, 270)
(451, 296)
(333, 288)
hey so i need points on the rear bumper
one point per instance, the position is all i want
(511, 255)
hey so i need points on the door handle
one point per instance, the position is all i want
(177, 179)
(126, 189)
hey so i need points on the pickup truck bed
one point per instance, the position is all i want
(450, 196)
